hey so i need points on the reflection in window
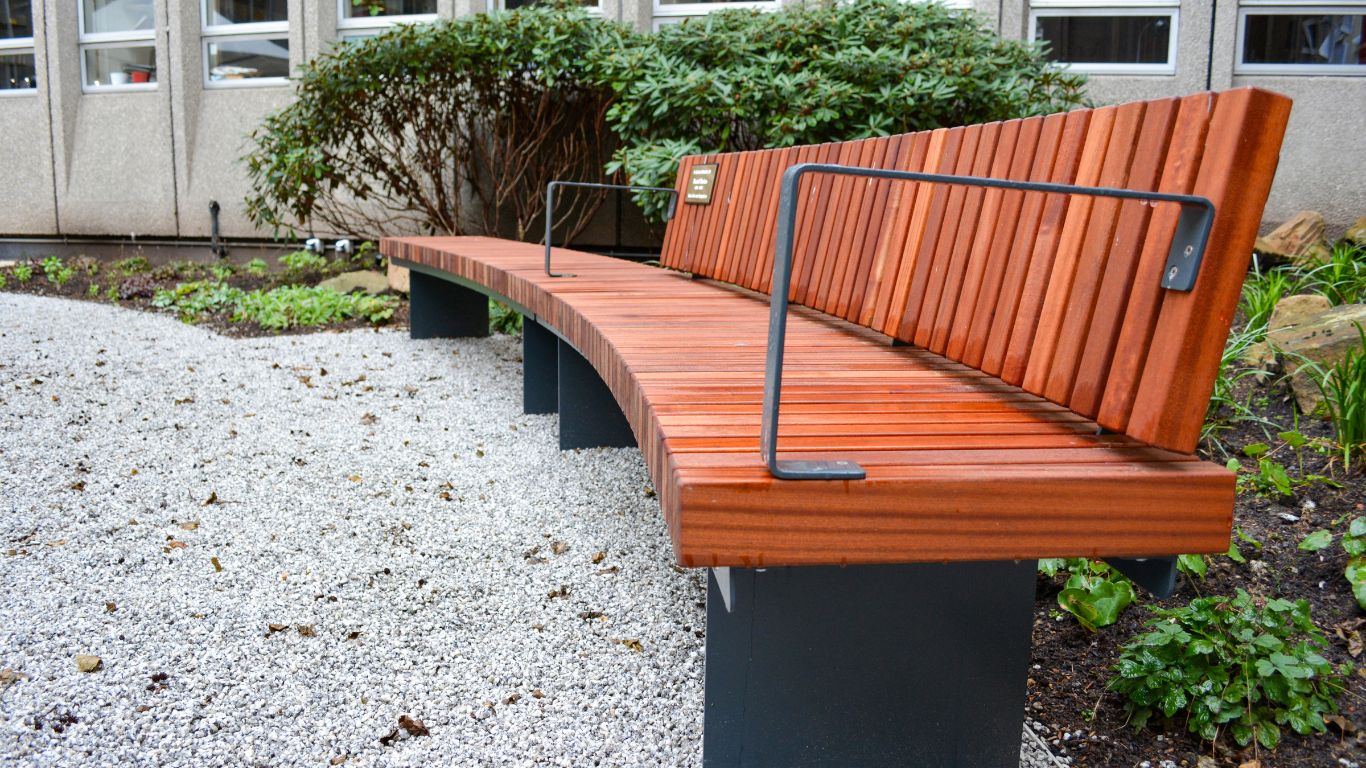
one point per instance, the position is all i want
(358, 9)
(1106, 39)
(117, 48)
(1303, 39)
(241, 59)
(223, 12)
(18, 71)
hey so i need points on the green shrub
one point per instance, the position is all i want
(504, 319)
(496, 104)
(23, 272)
(192, 300)
(299, 262)
(257, 268)
(744, 79)
(1343, 386)
(1241, 666)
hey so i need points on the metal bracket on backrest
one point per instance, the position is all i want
(1183, 262)
(550, 208)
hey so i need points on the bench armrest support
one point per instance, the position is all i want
(1183, 264)
(550, 208)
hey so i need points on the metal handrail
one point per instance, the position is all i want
(1183, 263)
(550, 208)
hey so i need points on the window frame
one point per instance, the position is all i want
(593, 10)
(661, 10)
(257, 30)
(10, 46)
(96, 41)
(347, 25)
(1292, 8)
(1073, 8)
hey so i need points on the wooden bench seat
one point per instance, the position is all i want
(1016, 373)
(945, 446)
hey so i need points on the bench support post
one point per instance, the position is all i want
(917, 665)
(540, 368)
(440, 309)
(589, 415)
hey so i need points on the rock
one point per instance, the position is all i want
(87, 663)
(1290, 312)
(1299, 240)
(398, 279)
(366, 280)
(1357, 232)
(1323, 338)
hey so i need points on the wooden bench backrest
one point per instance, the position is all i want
(1057, 294)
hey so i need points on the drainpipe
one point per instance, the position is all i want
(215, 247)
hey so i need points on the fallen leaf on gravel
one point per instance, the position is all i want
(608, 570)
(513, 699)
(598, 557)
(134, 472)
(353, 635)
(538, 694)
(354, 478)
(307, 381)
(388, 738)
(56, 543)
(184, 401)
(142, 708)
(79, 485)
(590, 615)
(273, 628)
(217, 566)
(16, 552)
(87, 663)
(1343, 724)
(306, 630)
(213, 498)
(369, 419)
(9, 677)
(170, 545)
(412, 726)
(189, 525)
(631, 643)
(649, 493)
(339, 759)
(563, 591)
(479, 452)
(110, 607)
(322, 371)
(559, 547)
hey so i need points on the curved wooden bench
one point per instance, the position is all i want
(1004, 365)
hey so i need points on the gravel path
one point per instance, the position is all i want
(278, 547)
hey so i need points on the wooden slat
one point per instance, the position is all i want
(956, 159)
(891, 244)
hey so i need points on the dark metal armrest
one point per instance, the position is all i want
(1183, 263)
(550, 208)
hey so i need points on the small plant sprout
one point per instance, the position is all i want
(257, 268)
(1343, 386)
(23, 272)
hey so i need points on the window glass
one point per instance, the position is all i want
(358, 9)
(222, 12)
(17, 71)
(232, 59)
(16, 19)
(120, 65)
(1106, 39)
(117, 15)
(1303, 39)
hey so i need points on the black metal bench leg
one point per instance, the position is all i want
(897, 665)
(540, 368)
(440, 309)
(589, 415)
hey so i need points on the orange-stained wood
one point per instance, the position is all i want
(1037, 319)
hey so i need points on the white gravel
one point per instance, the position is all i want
(384, 494)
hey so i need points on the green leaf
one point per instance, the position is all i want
(1356, 577)
(1316, 541)
(1195, 565)
(1254, 450)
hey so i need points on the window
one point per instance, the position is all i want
(18, 72)
(246, 42)
(1301, 40)
(118, 51)
(363, 18)
(1107, 39)
(593, 6)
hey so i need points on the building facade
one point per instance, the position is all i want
(125, 118)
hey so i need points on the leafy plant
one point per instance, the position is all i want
(1341, 277)
(1343, 385)
(132, 265)
(1095, 593)
(1261, 293)
(296, 306)
(298, 262)
(4, 283)
(1234, 553)
(93, 291)
(1316, 541)
(395, 133)
(504, 319)
(1241, 666)
(23, 272)
(221, 271)
(257, 268)
(817, 72)
(1194, 566)
(56, 272)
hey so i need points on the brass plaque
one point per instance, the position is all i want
(700, 181)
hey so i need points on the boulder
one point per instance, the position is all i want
(1300, 240)
(1322, 337)
(398, 279)
(366, 280)
(1356, 233)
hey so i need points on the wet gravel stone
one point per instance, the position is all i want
(331, 549)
